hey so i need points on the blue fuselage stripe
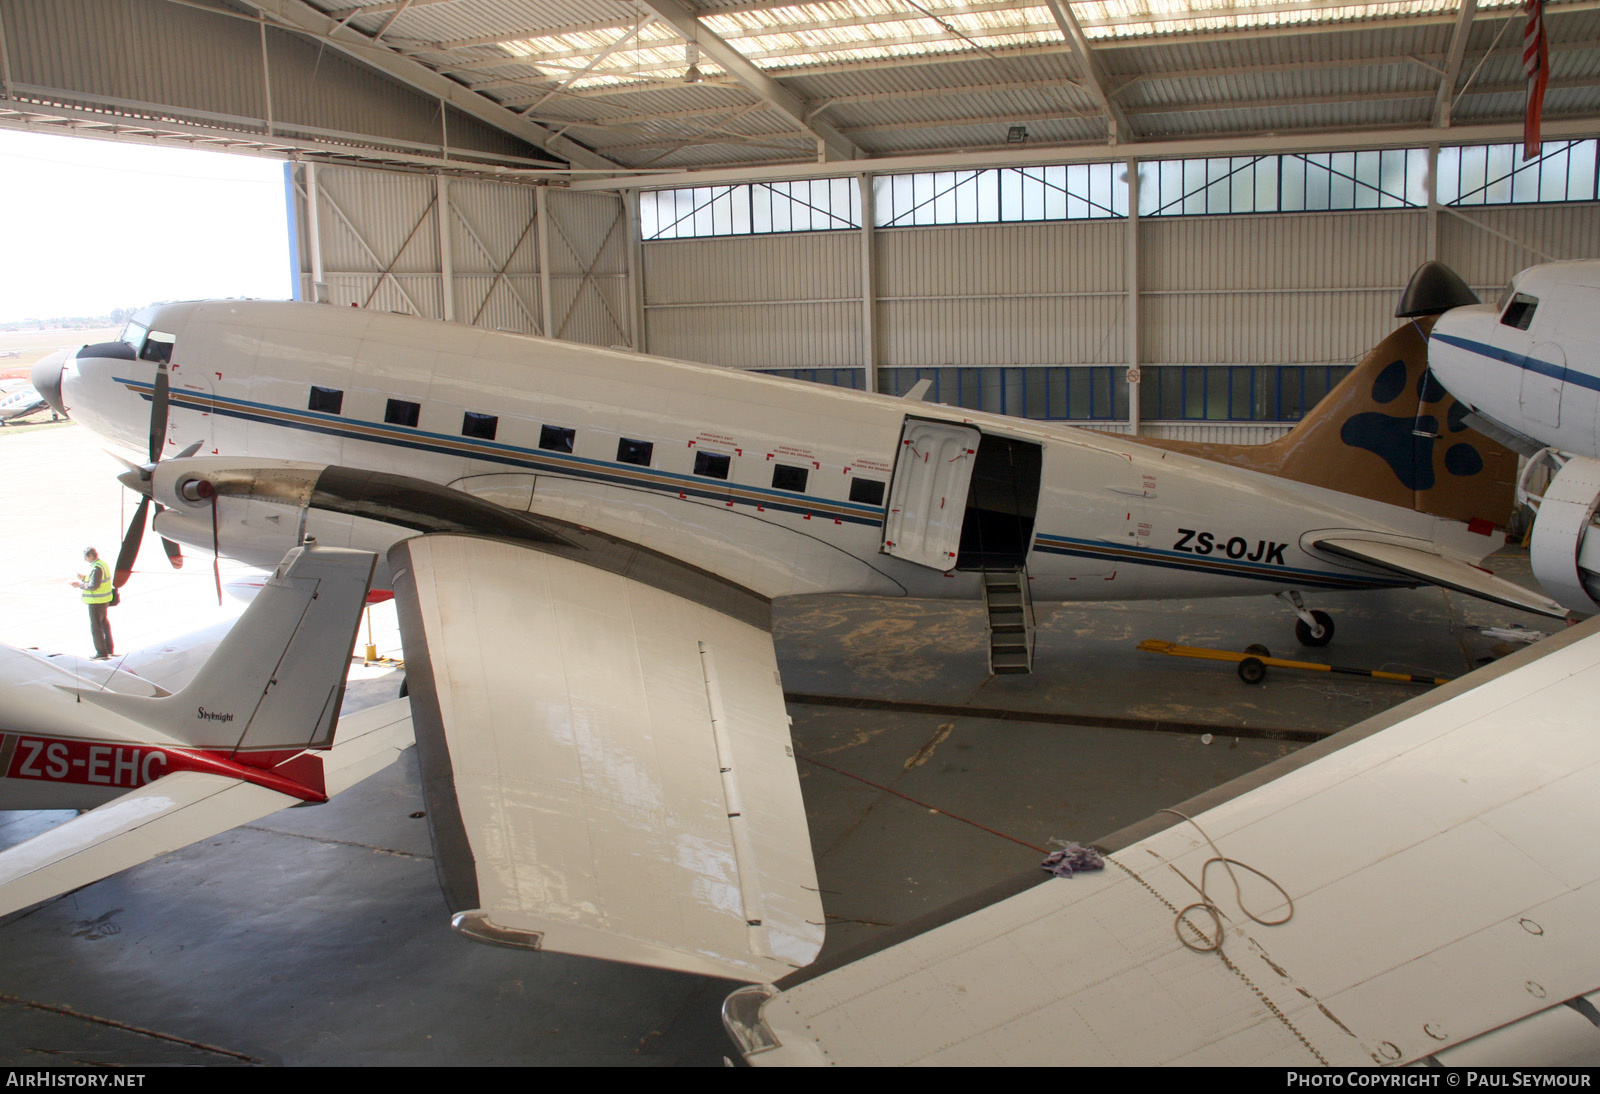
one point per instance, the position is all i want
(1518, 360)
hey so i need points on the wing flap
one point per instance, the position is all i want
(163, 816)
(607, 762)
(1435, 569)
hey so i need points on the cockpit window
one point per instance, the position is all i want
(1519, 313)
(157, 347)
(133, 334)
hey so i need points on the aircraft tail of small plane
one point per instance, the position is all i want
(275, 683)
(1388, 432)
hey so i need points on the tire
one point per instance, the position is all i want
(1258, 650)
(1252, 671)
(1305, 635)
(405, 687)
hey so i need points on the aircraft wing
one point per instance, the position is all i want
(165, 815)
(183, 808)
(606, 755)
(1445, 882)
(1431, 568)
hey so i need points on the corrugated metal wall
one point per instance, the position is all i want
(1005, 294)
(780, 301)
(494, 255)
(380, 244)
(1273, 289)
(1268, 289)
(1475, 244)
(588, 251)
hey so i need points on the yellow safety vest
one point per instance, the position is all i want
(98, 585)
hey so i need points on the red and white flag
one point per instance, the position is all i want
(1536, 63)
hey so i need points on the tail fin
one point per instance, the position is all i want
(1390, 433)
(276, 681)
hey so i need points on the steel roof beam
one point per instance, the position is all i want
(832, 144)
(1452, 63)
(302, 17)
(1117, 129)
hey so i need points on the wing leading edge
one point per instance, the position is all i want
(606, 758)
(1432, 568)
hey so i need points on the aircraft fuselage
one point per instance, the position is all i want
(783, 486)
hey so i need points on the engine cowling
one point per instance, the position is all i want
(1565, 548)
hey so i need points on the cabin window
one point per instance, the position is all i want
(400, 412)
(481, 426)
(785, 477)
(866, 491)
(555, 439)
(713, 465)
(158, 347)
(630, 451)
(1519, 313)
(328, 400)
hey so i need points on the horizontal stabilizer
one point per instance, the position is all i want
(607, 763)
(1430, 568)
(163, 816)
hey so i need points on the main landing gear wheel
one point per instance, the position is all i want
(1252, 671)
(1320, 635)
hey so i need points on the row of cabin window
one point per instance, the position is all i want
(711, 465)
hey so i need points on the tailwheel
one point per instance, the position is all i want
(1319, 635)
(1252, 671)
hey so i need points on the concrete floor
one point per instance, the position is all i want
(319, 936)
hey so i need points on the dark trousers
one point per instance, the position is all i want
(100, 628)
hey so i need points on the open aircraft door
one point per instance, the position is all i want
(928, 494)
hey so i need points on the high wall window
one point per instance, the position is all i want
(754, 208)
(1236, 393)
(836, 377)
(1496, 174)
(1083, 393)
(1314, 182)
(1083, 191)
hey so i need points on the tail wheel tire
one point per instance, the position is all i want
(1321, 636)
(1252, 671)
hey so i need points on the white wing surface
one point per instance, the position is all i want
(606, 755)
(1445, 880)
(171, 812)
(1433, 568)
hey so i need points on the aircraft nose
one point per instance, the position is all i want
(46, 379)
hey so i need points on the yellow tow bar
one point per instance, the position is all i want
(1255, 660)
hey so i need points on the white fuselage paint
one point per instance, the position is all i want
(1532, 361)
(1115, 520)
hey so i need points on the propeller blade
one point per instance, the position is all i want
(130, 545)
(216, 549)
(158, 412)
(188, 451)
(173, 550)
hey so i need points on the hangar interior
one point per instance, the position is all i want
(1186, 219)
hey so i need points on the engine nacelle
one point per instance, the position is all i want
(1565, 549)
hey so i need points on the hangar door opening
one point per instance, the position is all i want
(960, 498)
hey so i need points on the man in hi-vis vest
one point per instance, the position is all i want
(97, 593)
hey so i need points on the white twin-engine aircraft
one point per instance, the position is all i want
(1528, 370)
(250, 732)
(584, 543)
